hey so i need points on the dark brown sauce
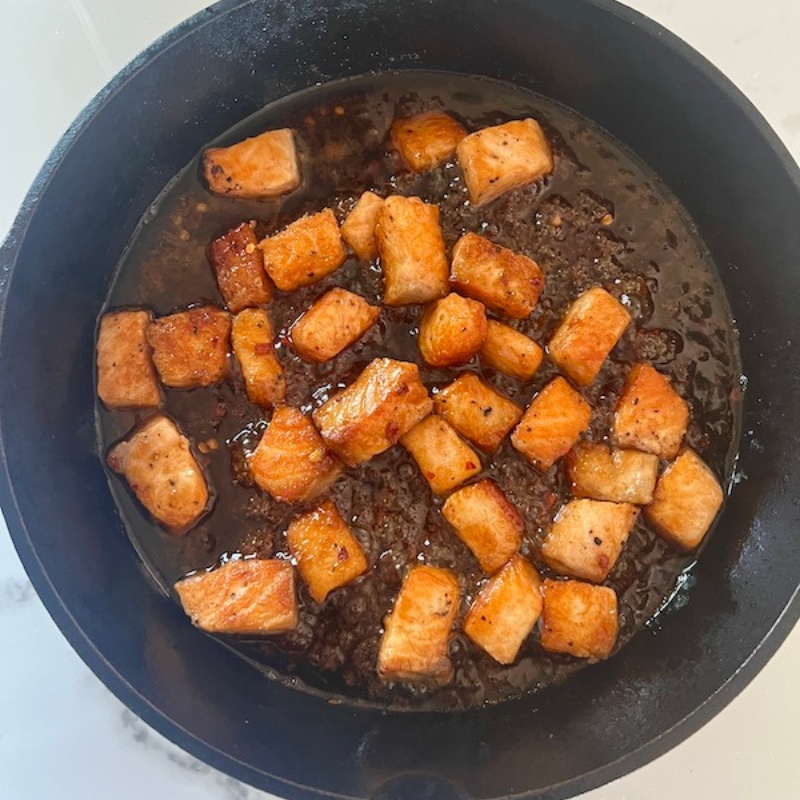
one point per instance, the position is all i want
(649, 256)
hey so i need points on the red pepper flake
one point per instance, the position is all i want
(549, 499)
(261, 349)
(471, 465)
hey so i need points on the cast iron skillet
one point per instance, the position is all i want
(616, 67)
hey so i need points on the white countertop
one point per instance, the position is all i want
(62, 734)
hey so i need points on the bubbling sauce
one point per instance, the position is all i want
(601, 218)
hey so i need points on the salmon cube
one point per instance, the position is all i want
(328, 555)
(158, 464)
(504, 157)
(426, 140)
(579, 619)
(238, 265)
(337, 320)
(126, 377)
(254, 347)
(587, 334)
(452, 330)
(605, 473)
(386, 400)
(510, 351)
(687, 499)
(251, 596)
(650, 414)
(476, 411)
(443, 457)
(552, 424)
(417, 631)
(411, 247)
(358, 229)
(190, 348)
(586, 538)
(304, 252)
(501, 279)
(291, 462)
(506, 610)
(486, 522)
(262, 166)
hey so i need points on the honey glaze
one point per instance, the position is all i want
(601, 218)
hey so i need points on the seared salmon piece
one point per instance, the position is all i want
(650, 414)
(687, 499)
(426, 140)
(238, 265)
(158, 464)
(259, 167)
(579, 619)
(476, 411)
(510, 351)
(504, 157)
(417, 631)
(501, 279)
(606, 473)
(126, 377)
(506, 610)
(586, 538)
(358, 229)
(291, 462)
(190, 348)
(587, 334)
(386, 400)
(333, 323)
(444, 459)
(247, 596)
(486, 521)
(254, 347)
(452, 330)
(304, 252)
(328, 555)
(412, 252)
(552, 424)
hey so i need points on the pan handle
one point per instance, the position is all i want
(418, 786)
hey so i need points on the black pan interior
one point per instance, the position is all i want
(649, 91)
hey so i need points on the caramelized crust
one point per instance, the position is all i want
(426, 140)
(579, 619)
(417, 631)
(254, 347)
(190, 348)
(412, 251)
(500, 278)
(239, 268)
(126, 377)
(328, 555)
(476, 411)
(333, 323)
(262, 166)
(158, 464)
(504, 157)
(386, 400)
(452, 330)
(587, 334)
(506, 610)
(304, 252)
(486, 522)
(358, 230)
(291, 461)
(248, 596)
(552, 424)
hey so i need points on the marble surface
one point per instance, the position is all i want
(62, 734)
